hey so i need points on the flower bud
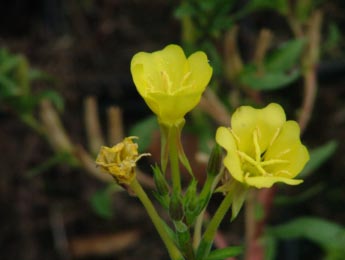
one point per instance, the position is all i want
(176, 211)
(215, 162)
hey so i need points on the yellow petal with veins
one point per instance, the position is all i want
(232, 161)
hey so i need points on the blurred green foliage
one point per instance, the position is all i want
(16, 93)
(328, 235)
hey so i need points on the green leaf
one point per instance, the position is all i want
(144, 130)
(21, 75)
(35, 74)
(269, 80)
(219, 24)
(318, 156)
(307, 194)
(8, 87)
(221, 254)
(54, 97)
(101, 202)
(328, 235)
(280, 6)
(285, 57)
(9, 63)
(184, 10)
(333, 38)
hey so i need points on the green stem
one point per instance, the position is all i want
(207, 190)
(174, 160)
(157, 221)
(197, 229)
(208, 237)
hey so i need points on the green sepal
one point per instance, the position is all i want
(162, 187)
(239, 195)
(161, 183)
(163, 200)
(238, 191)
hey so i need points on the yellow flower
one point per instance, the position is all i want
(262, 147)
(120, 160)
(171, 84)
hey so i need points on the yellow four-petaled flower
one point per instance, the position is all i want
(120, 160)
(262, 147)
(171, 84)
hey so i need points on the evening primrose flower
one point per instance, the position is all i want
(171, 84)
(262, 147)
(120, 160)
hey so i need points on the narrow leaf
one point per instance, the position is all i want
(285, 57)
(221, 254)
(326, 234)
(318, 156)
(269, 80)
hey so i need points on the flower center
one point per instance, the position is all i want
(257, 166)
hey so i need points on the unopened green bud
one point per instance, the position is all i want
(191, 196)
(215, 162)
(160, 182)
(176, 211)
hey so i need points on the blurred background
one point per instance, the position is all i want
(66, 89)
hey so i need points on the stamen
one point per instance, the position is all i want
(274, 161)
(252, 162)
(247, 158)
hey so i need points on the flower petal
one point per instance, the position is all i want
(144, 71)
(170, 109)
(272, 118)
(200, 70)
(171, 60)
(288, 147)
(266, 121)
(267, 181)
(231, 161)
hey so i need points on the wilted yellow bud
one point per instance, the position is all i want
(120, 160)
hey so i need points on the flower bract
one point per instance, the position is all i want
(170, 83)
(262, 147)
(120, 160)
